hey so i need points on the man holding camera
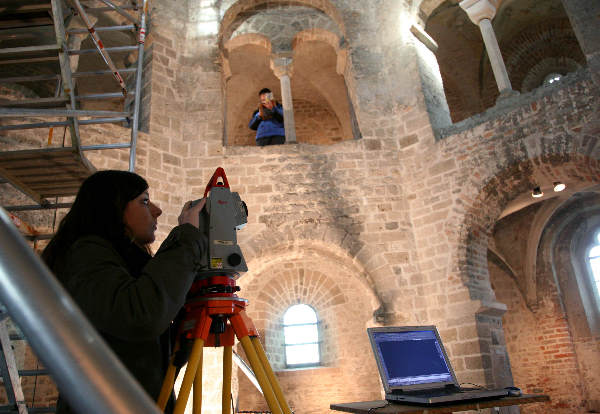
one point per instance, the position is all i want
(267, 120)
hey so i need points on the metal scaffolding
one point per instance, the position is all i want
(44, 174)
(38, 53)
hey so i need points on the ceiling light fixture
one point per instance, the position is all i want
(558, 186)
(537, 192)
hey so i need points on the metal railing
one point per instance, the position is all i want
(86, 371)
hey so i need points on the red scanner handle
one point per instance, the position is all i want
(214, 182)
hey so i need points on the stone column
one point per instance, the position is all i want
(481, 12)
(282, 68)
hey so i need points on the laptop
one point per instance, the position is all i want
(414, 367)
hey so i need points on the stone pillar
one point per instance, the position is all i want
(481, 12)
(282, 68)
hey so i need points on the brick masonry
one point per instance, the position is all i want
(389, 229)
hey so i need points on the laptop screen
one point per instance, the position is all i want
(411, 357)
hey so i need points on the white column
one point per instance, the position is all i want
(282, 68)
(481, 12)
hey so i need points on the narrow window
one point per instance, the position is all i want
(594, 261)
(300, 329)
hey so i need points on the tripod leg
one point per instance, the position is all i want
(167, 387)
(260, 375)
(227, 365)
(169, 381)
(270, 375)
(197, 402)
(190, 374)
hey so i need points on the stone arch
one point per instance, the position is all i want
(319, 80)
(246, 59)
(565, 304)
(239, 11)
(319, 35)
(323, 111)
(299, 267)
(330, 244)
(246, 39)
(535, 38)
(509, 184)
(427, 7)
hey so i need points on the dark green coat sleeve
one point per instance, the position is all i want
(133, 308)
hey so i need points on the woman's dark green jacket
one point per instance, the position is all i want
(131, 298)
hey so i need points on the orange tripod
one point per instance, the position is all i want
(213, 317)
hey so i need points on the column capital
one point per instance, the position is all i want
(282, 65)
(477, 10)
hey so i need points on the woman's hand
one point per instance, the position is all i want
(191, 214)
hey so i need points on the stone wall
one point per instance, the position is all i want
(390, 229)
(344, 305)
(315, 124)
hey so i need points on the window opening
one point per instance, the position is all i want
(551, 78)
(594, 261)
(301, 333)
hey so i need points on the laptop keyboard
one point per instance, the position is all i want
(432, 393)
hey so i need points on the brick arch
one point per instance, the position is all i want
(312, 279)
(327, 244)
(553, 42)
(267, 248)
(240, 10)
(344, 309)
(497, 191)
(297, 282)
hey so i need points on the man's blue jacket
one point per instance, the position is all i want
(270, 127)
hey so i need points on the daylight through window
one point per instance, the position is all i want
(301, 333)
(594, 260)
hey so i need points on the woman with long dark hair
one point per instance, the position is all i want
(100, 255)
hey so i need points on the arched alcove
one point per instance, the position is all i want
(535, 39)
(310, 36)
(550, 337)
(249, 65)
(345, 308)
(238, 11)
(510, 184)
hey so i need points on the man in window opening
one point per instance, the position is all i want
(267, 120)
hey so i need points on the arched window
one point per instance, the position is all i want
(551, 78)
(594, 262)
(300, 329)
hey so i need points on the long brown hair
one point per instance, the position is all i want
(98, 210)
